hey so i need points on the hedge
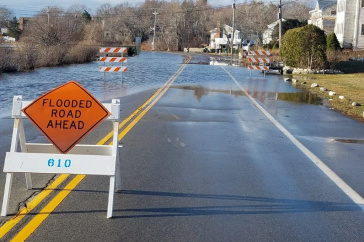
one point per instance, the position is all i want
(304, 47)
(332, 42)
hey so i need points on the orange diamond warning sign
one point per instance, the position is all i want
(66, 114)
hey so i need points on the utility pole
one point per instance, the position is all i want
(232, 39)
(280, 23)
(155, 21)
(48, 15)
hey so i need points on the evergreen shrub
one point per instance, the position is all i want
(305, 47)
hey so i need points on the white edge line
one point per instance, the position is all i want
(353, 195)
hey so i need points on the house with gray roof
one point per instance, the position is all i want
(349, 27)
(324, 15)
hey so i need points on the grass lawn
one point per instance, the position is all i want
(349, 85)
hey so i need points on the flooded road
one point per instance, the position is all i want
(206, 163)
(145, 72)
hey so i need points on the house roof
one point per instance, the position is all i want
(272, 25)
(215, 30)
(326, 7)
(226, 27)
(325, 4)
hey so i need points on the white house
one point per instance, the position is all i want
(267, 33)
(4, 30)
(221, 38)
(324, 15)
(349, 26)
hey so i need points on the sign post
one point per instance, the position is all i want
(65, 115)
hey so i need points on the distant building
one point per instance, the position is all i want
(23, 23)
(4, 30)
(349, 27)
(324, 15)
(221, 38)
(9, 39)
(344, 17)
(267, 33)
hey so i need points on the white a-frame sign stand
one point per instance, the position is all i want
(44, 158)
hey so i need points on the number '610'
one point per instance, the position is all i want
(59, 163)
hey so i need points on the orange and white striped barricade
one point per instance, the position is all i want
(113, 69)
(260, 62)
(259, 52)
(113, 59)
(120, 60)
(113, 50)
(260, 68)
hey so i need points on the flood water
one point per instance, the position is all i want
(146, 71)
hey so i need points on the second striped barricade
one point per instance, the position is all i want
(113, 59)
(113, 68)
(113, 50)
(259, 52)
(258, 63)
(261, 68)
(121, 59)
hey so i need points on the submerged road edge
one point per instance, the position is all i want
(350, 192)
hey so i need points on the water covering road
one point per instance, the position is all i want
(205, 164)
(145, 72)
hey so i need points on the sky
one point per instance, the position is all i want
(28, 8)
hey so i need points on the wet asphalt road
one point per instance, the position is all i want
(207, 165)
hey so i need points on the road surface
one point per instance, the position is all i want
(212, 163)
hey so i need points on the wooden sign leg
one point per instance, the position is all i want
(116, 146)
(9, 176)
(28, 178)
(7, 190)
(118, 170)
(111, 197)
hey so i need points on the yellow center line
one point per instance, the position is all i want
(131, 125)
(41, 196)
(30, 205)
(49, 208)
(122, 124)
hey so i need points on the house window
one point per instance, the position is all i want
(362, 3)
(334, 12)
(362, 29)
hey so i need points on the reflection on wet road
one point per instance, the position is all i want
(299, 97)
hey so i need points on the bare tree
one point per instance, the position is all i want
(52, 27)
(297, 10)
(93, 33)
(5, 15)
(167, 25)
(104, 10)
(52, 32)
